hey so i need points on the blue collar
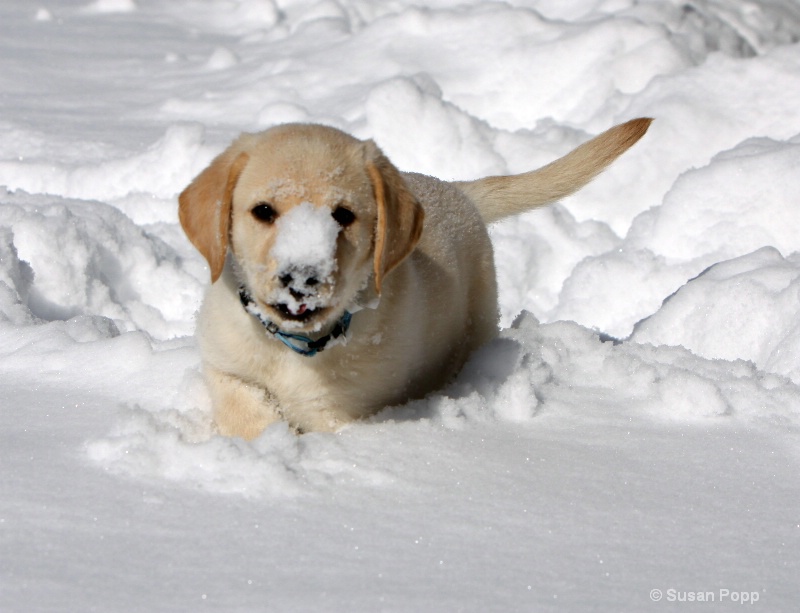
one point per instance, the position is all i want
(295, 342)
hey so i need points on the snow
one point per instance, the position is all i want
(304, 247)
(635, 426)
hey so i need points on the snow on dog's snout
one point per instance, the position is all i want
(305, 257)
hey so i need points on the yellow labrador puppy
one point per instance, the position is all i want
(340, 285)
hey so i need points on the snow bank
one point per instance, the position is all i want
(742, 201)
(747, 307)
(111, 6)
(530, 372)
(156, 171)
(65, 258)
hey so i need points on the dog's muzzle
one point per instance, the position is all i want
(302, 290)
(300, 281)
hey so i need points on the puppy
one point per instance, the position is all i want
(340, 285)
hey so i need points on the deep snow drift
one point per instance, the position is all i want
(630, 440)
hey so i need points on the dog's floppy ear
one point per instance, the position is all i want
(400, 216)
(205, 207)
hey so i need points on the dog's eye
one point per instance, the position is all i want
(344, 217)
(263, 211)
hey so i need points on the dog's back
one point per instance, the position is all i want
(441, 304)
(454, 265)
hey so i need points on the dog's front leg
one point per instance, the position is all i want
(324, 419)
(240, 409)
(325, 413)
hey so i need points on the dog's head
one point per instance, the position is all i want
(310, 215)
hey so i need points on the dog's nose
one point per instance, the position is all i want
(299, 279)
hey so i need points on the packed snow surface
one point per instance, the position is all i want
(629, 442)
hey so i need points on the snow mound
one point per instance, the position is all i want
(180, 447)
(177, 442)
(168, 163)
(747, 307)
(67, 258)
(743, 200)
(529, 376)
(111, 6)
(239, 17)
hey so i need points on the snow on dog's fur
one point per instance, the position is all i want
(314, 224)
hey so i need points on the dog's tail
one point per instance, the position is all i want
(499, 197)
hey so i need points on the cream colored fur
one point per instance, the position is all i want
(417, 247)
